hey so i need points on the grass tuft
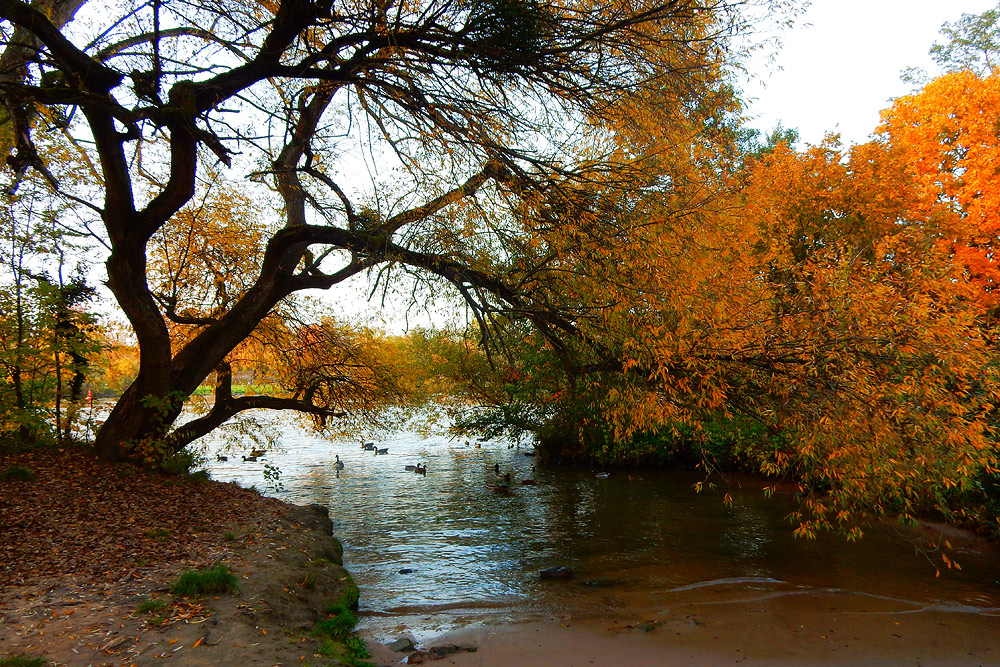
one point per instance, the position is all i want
(23, 661)
(215, 580)
(17, 474)
(336, 629)
(151, 605)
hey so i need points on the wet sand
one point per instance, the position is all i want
(783, 628)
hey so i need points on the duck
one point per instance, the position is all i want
(249, 459)
(410, 468)
(384, 450)
(505, 477)
(258, 453)
(367, 446)
(498, 488)
(528, 482)
(339, 465)
(496, 469)
(421, 469)
(602, 475)
(220, 457)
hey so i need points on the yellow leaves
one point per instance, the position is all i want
(949, 562)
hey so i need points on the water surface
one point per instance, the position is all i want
(432, 553)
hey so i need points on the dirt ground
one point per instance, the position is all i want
(83, 545)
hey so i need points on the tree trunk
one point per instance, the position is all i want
(137, 424)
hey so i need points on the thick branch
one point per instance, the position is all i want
(94, 75)
(226, 409)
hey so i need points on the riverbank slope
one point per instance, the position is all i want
(89, 551)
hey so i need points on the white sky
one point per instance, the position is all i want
(840, 66)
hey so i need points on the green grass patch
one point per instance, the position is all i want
(158, 534)
(338, 624)
(17, 474)
(331, 649)
(336, 630)
(151, 605)
(23, 661)
(217, 580)
(229, 536)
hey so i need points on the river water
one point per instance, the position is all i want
(443, 551)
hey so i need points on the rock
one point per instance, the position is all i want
(402, 644)
(437, 653)
(557, 572)
(448, 649)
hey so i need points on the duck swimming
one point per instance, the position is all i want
(339, 465)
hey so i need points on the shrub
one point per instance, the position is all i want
(179, 463)
(215, 580)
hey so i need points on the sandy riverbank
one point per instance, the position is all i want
(783, 630)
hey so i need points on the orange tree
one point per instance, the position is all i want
(815, 299)
(948, 133)
(476, 108)
(889, 381)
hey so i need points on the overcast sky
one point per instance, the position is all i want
(840, 70)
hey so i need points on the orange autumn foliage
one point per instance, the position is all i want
(888, 402)
(949, 133)
(812, 296)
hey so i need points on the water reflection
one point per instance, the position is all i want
(446, 545)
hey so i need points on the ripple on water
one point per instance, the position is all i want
(475, 555)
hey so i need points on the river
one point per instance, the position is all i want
(442, 551)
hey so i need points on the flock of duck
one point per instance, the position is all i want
(252, 458)
(421, 468)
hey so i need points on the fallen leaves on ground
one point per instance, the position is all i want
(107, 521)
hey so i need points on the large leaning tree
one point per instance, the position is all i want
(483, 113)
